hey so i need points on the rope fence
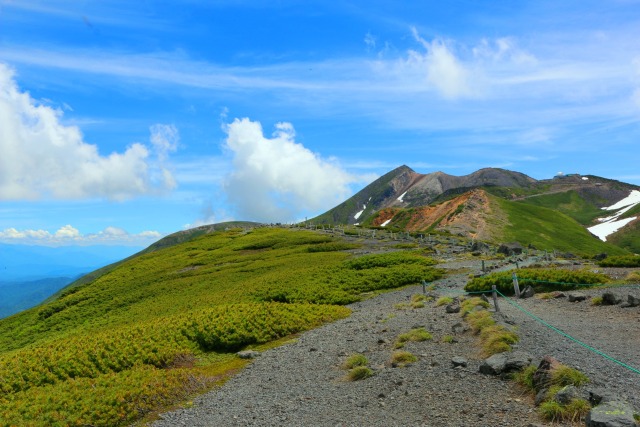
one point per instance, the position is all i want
(494, 291)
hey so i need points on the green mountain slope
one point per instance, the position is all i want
(570, 203)
(164, 324)
(547, 229)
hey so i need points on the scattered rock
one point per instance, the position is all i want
(577, 297)
(598, 396)
(542, 376)
(609, 298)
(631, 302)
(510, 249)
(611, 414)
(505, 362)
(459, 361)
(559, 294)
(517, 360)
(460, 328)
(600, 257)
(494, 365)
(527, 292)
(566, 394)
(454, 307)
(248, 354)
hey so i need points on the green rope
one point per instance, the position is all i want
(606, 356)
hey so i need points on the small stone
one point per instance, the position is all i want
(459, 361)
(611, 414)
(577, 297)
(609, 298)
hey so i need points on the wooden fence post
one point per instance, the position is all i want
(516, 287)
(495, 297)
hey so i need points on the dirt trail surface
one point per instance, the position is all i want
(302, 383)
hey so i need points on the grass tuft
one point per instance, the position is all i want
(416, 335)
(596, 301)
(444, 301)
(525, 377)
(355, 360)
(565, 375)
(359, 373)
(448, 339)
(402, 358)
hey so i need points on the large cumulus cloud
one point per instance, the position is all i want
(42, 158)
(274, 178)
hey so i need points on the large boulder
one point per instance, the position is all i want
(611, 414)
(609, 298)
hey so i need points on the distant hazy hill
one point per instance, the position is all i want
(31, 274)
(20, 295)
(494, 205)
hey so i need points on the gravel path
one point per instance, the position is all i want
(613, 330)
(302, 384)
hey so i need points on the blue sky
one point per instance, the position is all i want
(123, 121)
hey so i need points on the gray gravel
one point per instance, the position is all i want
(302, 384)
(613, 330)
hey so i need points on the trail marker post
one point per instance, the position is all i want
(516, 287)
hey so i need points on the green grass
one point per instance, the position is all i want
(548, 229)
(569, 203)
(157, 328)
(628, 238)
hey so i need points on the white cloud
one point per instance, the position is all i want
(67, 232)
(444, 71)
(276, 179)
(69, 235)
(42, 158)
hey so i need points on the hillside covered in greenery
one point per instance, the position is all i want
(161, 326)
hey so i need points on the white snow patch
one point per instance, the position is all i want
(385, 223)
(607, 228)
(632, 199)
(357, 223)
(356, 216)
(402, 196)
(584, 178)
(369, 199)
(611, 224)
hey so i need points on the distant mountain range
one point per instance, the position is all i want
(565, 212)
(31, 274)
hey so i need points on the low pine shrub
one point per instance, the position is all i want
(541, 279)
(620, 261)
